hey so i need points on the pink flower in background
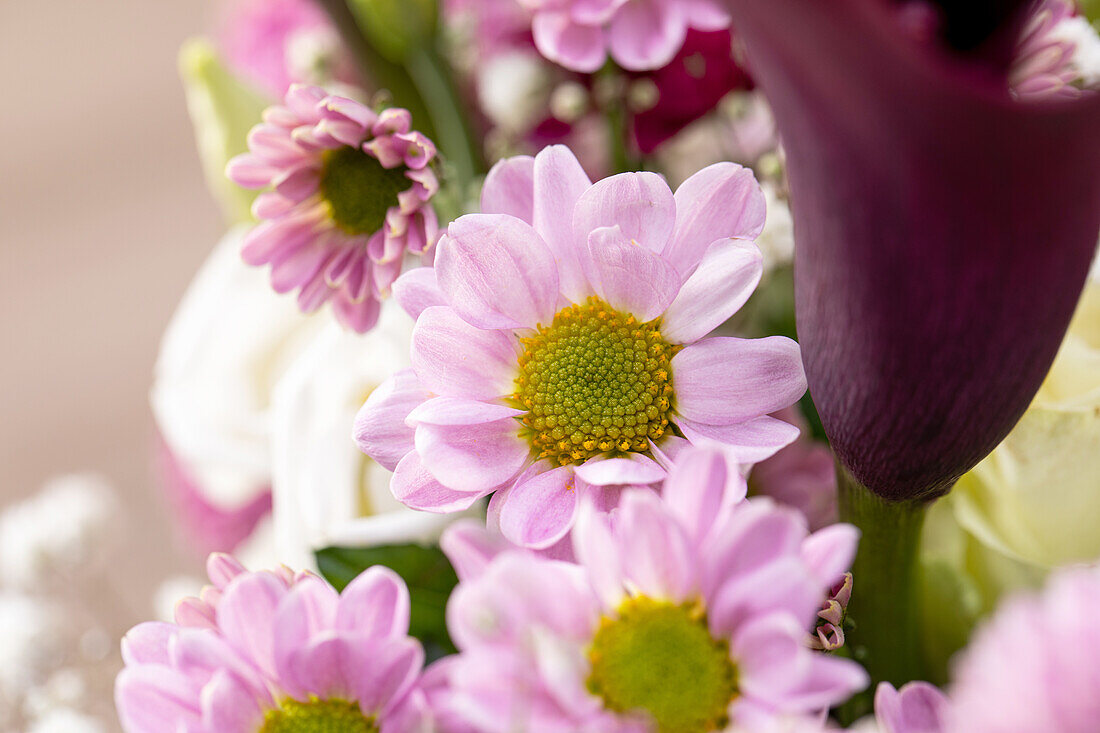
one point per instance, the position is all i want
(636, 34)
(687, 610)
(350, 192)
(258, 39)
(1034, 667)
(274, 651)
(802, 475)
(561, 337)
(1058, 54)
(917, 707)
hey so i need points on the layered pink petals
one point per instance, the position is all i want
(525, 625)
(299, 235)
(501, 279)
(722, 200)
(276, 637)
(453, 358)
(497, 272)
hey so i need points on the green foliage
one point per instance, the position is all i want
(425, 570)
(396, 28)
(223, 109)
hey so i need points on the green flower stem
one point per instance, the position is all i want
(425, 76)
(885, 637)
(611, 98)
(453, 132)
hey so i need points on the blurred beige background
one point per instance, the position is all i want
(104, 219)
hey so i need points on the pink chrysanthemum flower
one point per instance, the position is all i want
(687, 612)
(637, 34)
(1058, 54)
(350, 192)
(275, 652)
(1034, 667)
(560, 347)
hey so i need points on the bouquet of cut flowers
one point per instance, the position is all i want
(637, 365)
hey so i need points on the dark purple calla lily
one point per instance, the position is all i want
(944, 230)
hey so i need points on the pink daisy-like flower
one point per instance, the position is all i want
(350, 192)
(560, 347)
(1034, 667)
(275, 652)
(687, 612)
(637, 34)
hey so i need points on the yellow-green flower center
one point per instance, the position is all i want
(359, 190)
(594, 381)
(317, 716)
(659, 657)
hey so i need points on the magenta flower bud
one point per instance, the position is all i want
(944, 228)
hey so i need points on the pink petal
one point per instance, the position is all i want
(458, 411)
(759, 533)
(540, 511)
(246, 616)
(380, 429)
(784, 586)
(380, 671)
(147, 643)
(646, 34)
(640, 204)
(770, 657)
(704, 15)
(748, 442)
(453, 358)
(472, 458)
(418, 290)
(414, 487)
(722, 200)
(155, 698)
(222, 568)
(307, 611)
(630, 278)
(470, 547)
(829, 552)
(727, 275)
(631, 469)
(496, 272)
(600, 553)
(577, 47)
(657, 554)
(375, 604)
(229, 705)
(359, 317)
(696, 490)
(723, 380)
(510, 187)
(559, 182)
(917, 708)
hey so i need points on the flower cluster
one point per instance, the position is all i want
(594, 372)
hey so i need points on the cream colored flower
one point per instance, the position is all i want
(325, 491)
(1036, 498)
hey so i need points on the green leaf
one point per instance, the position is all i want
(397, 27)
(223, 109)
(425, 570)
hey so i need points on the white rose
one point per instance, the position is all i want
(228, 343)
(1036, 498)
(325, 491)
